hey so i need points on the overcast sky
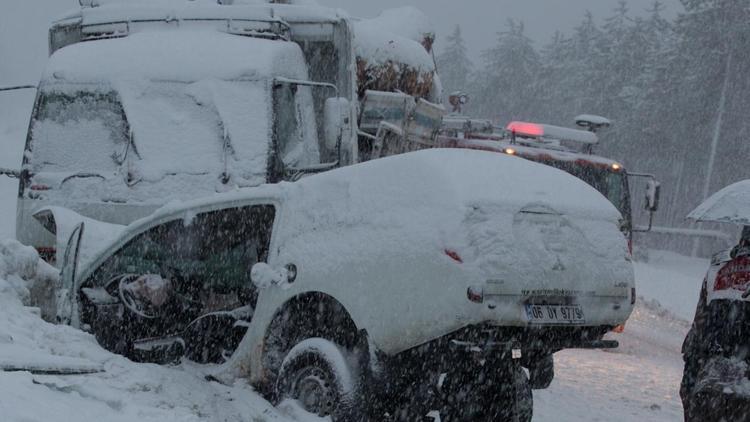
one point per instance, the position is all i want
(23, 23)
(481, 19)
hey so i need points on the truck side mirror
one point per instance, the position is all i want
(338, 134)
(264, 276)
(653, 192)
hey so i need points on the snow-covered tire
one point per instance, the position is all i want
(318, 374)
(524, 397)
(542, 372)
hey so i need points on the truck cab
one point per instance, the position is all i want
(142, 104)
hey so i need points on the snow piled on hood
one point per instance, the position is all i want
(729, 205)
(124, 392)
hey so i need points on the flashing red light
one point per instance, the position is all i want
(526, 129)
(454, 256)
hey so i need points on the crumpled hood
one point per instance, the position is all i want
(97, 235)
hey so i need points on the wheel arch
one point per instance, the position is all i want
(308, 314)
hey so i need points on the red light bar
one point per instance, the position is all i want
(526, 129)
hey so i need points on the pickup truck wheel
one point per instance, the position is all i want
(542, 372)
(317, 374)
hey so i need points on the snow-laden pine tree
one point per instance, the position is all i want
(453, 63)
(503, 90)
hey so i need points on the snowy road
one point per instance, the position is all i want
(640, 380)
(637, 382)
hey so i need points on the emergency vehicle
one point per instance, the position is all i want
(570, 150)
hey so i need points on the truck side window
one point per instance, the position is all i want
(286, 124)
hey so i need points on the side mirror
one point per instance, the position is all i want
(338, 130)
(653, 192)
(264, 276)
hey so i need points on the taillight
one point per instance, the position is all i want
(39, 187)
(454, 256)
(49, 255)
(475, 294)
(619, 329)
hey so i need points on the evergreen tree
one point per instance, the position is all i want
(453, 63)
(502, 91)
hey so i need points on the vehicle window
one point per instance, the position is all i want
(286, 126)
(294, 125)
(210, 254)
(612, 185)
(66, 124)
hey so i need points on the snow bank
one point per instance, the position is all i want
(26, 278)
(122, 392)
(672, 280)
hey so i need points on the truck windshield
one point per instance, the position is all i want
(77, 132)
(613, 185)
(144, 139)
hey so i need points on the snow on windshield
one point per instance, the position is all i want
(171, 113)
(177, 129)
(69, 124)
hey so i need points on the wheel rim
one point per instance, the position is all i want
(313, 388)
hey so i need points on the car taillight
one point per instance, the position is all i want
(39, 187)
(454, 256)
(49, 255)
(475, 294)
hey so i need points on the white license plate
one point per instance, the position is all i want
(555, 314)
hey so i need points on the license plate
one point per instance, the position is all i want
(555, 314)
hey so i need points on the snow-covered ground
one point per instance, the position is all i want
(637, 382)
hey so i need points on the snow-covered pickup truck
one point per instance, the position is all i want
(422, 284)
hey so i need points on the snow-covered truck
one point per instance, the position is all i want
(398, 286)
(144, 103)
(567, 149)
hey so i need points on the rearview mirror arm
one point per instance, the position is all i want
(14, 174)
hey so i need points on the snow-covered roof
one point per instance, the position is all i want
(389, 37)
(180, 56)
(729, 205)
(407, 21)
(592, 118)
(446, 178)
(109, 11)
